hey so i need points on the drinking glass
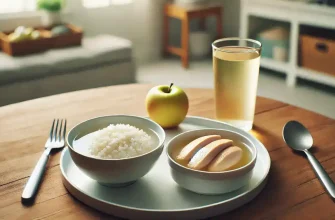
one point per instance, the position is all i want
(236, 69)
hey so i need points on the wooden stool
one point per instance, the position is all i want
(185, 14)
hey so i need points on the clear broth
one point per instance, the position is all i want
(246, 155)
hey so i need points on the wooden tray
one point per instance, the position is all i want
(47, 41)
(25, 47)
(73, 38)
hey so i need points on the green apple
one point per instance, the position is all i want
(21, 34)
(14, 37)
(19, 30)
(27, 33)
(35, 35)
(167, 105)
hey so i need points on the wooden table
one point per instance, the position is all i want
(292, 190)
(185, 14)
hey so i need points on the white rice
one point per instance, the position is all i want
(120, 141)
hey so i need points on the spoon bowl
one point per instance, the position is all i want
(297, 136)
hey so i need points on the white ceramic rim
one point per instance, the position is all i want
(175, 210)
(254, 157)
(161, 142)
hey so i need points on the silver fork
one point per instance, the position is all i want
(56, 140)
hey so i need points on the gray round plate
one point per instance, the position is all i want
(156, 195)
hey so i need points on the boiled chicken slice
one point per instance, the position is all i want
(189, 150)
(226, 159)
(206, 154)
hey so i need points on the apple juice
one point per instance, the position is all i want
(236, 72)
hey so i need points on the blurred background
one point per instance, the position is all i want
(56, 46)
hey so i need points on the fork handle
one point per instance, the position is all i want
(35, 178)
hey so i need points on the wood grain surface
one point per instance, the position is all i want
(292, 191)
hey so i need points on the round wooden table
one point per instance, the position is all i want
(292, 191)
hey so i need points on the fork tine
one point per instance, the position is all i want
(60, 130)
(52, 129)
(55, 131)
(64, 131)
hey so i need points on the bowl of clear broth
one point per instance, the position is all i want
(211, 161)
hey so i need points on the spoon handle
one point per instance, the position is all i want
(322, 174)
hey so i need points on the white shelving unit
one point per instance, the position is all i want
(296, 14)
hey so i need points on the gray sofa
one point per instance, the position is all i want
(101, 61)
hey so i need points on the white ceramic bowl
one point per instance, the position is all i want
(210, 183)
(115, 172)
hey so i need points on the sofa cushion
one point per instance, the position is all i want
(93, 52)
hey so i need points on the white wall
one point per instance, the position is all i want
(136, 21)
(7, 24)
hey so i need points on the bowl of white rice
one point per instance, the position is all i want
(116, 150)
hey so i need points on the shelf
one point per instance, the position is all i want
(301, 6)
(299, 12)
(268, 63)
(316, 76)
(296, 14)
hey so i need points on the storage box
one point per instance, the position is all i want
(318, 54)
(275, 43)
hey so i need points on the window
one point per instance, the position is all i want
(103, 3)
(12, 6)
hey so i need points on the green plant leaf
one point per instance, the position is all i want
(50, 5)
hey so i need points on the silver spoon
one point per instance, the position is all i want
(298, 138)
